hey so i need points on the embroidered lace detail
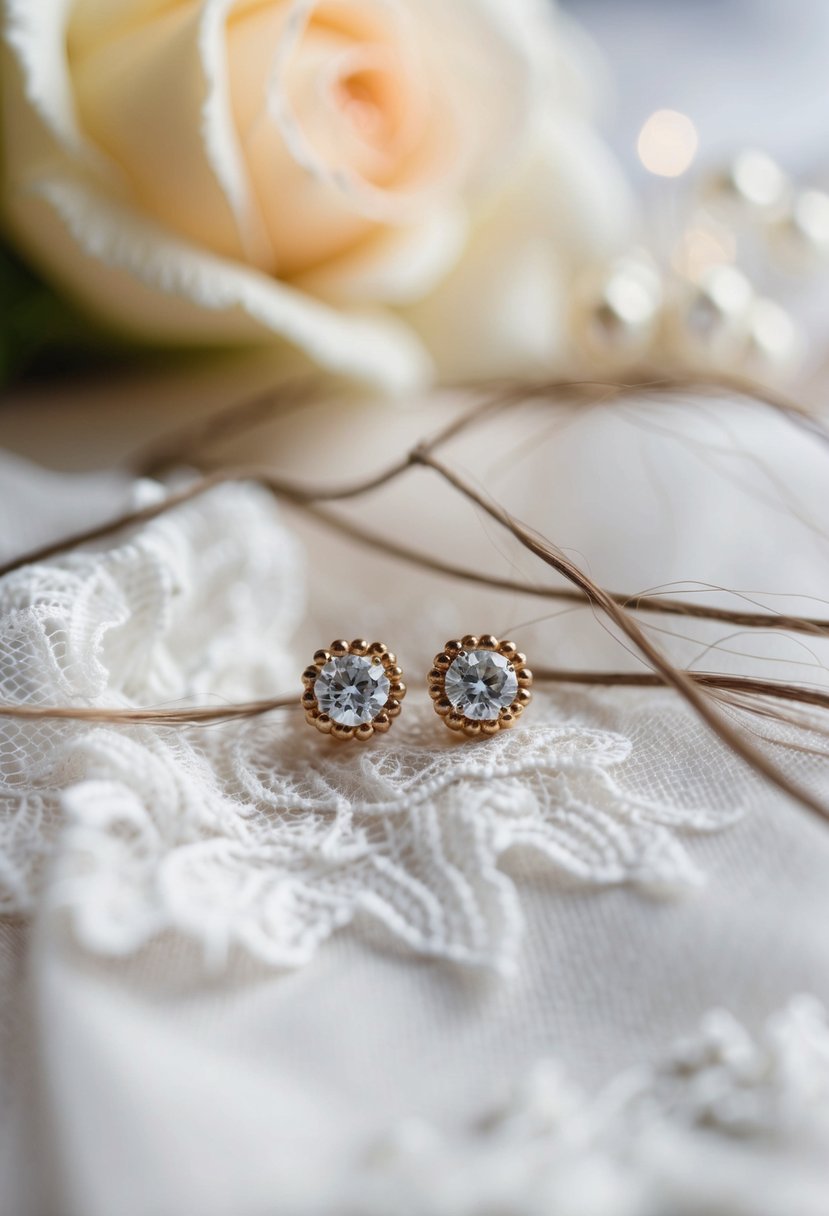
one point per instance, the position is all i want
(263, 834)
(195, 605)
(726, 1124)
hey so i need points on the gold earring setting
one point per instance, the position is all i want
(479, 685)
(353, 690)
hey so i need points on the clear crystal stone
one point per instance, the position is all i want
(480, 683)
(352, 689)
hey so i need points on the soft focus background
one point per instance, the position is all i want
(746, 71)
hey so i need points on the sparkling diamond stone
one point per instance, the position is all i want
(480, 683)
(352, 689)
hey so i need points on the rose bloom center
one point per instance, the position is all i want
(361, 104)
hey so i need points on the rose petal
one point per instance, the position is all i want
(493, 55)
(142, 96)
(221, 138)
(96, 21)
(397, 266)
(36, 34)
(503, 311)
(166, 289)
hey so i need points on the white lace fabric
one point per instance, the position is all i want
(702, 1130)
(264, 835)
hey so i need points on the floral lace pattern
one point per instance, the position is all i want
(262, 834)
(728, 1123)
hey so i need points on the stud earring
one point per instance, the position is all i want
(480, 685)
(353, 690)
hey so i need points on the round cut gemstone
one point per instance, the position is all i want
(480, 683)
(352, 689)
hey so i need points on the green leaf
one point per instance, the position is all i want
(42, 331)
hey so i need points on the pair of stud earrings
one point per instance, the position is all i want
(478, 686)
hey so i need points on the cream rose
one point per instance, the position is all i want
(390, 187)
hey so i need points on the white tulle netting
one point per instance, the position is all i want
(267, 836)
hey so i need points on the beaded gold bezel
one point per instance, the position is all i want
(378, 652)
(456, 721)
